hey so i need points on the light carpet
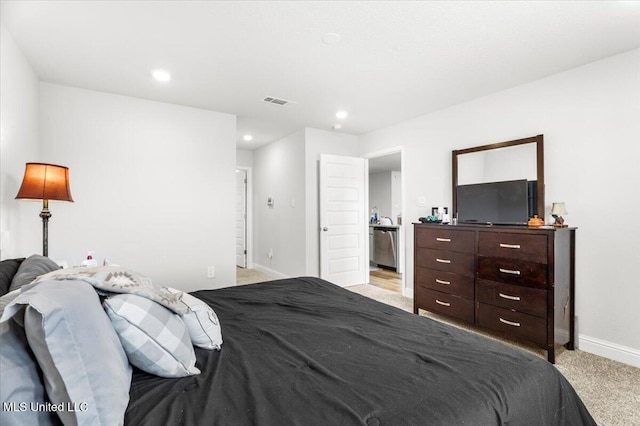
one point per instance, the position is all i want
(250, 276)
(610, 390)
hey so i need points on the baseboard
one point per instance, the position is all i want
(609, 350)
(407, 292)
(270, 272)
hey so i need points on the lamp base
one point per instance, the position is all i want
(559, 223)
(45, 214)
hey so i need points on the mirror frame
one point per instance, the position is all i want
(538, 140)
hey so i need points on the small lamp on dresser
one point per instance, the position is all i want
(557, 210)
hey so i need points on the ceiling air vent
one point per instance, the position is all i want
(276, 101)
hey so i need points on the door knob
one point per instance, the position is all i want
(325, 229)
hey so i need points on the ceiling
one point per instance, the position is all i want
(390, 61)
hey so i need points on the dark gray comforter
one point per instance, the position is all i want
(306, 352)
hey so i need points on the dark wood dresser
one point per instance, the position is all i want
(515, 281)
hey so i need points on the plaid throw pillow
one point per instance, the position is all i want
(154, 338)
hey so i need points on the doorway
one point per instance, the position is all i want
(386, 233)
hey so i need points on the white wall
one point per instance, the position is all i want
(396, 196)
(320, 142)
(152, 184)
(279, 172)
(381, 194)
(244, 158)
(590, 120)
(20, 225)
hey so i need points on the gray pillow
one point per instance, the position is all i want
(30, 269)
(21, 384)
(8, 269)
(154, 338)
(80, 355)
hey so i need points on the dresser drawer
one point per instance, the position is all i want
(444, 304)
(516, 324)
(513, 246)
(446, 282)
(513, 271)
(523, 299)
(446, 239)
(447, 261)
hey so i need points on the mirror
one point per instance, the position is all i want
(511, 160)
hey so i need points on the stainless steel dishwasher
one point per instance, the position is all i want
(384, 246)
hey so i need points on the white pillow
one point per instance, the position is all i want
(201, 321)
(154, 338)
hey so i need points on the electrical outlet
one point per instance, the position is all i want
(270, 254)
(211, 271)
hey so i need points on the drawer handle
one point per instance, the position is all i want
(440, 302)
(443, 282)
(442, 260)
(510, 246)
(511, 323)
(506, 296)
(444, 240)
(509, 271)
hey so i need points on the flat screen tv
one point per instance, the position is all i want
(499, 203)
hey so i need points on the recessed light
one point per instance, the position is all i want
(337, 126)
(331, 38)
(247, 138)
(341, 115)
(161, 75)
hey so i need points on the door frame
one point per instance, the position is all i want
(248, 223)
(403, 208)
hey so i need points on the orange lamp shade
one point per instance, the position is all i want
(45, 182)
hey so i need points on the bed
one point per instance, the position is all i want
(303, 351)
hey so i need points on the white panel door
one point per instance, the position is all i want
(241, 218)
(343, 220)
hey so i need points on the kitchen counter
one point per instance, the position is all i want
(371, 225)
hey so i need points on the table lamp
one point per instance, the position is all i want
(557, 210)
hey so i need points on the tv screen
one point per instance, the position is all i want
(500, 203)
